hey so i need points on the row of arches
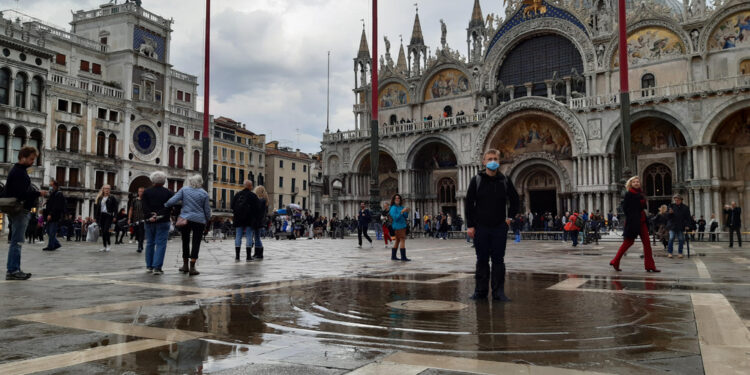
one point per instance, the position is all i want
(177, 158)
(14, 90)
(11, 142)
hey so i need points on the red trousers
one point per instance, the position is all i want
(648, 258)
(386, 235)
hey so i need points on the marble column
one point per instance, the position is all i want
(590, 170)
(606, 206)
(695, 163)
(714, 162)
(707, 207)
(606, 170)
(717, 206)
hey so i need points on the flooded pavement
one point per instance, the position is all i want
(362, 311)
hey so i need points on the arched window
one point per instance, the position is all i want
(251, 177)
(4, 86)
(196, 160)
(20, 88)
(658, 181)
(393, 120)
(36, 94)
(744, 67)
(172, 153)
(112, 146)
(180, 158)
(448, 111)
(35, 140)
(19, 139)
(536, 60)
(62, 137)
(100, 140)
(4, 132)
(261, 180)
(75, 137)
(648, 82)
(446, 191)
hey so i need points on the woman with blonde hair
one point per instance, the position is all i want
(634, 205)
(262, 221)
(105, 208)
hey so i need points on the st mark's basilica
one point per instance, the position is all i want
(540, 83)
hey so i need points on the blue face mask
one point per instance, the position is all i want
(493, 165)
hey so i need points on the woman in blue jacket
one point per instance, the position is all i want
(399, 214)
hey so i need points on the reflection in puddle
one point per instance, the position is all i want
(541, 326)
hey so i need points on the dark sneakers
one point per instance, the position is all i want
(479, 296)
(18, 275)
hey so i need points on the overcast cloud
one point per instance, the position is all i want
(269, 56)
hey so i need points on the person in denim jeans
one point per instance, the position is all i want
(244, 208)
(678, 220)
(157, 228)
(18, 186)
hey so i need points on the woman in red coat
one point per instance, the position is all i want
(634, 205)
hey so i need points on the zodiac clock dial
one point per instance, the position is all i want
(144, 139)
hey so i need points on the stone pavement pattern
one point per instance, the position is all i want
(321, 307)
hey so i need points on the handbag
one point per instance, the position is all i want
(10, 206)
(181, 222)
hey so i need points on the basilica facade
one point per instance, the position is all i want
(540, 83)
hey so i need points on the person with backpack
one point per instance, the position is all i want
(574, 226)
(54, 209)
(245, 210)
(491, 202)
(18, 186)
(636, 224)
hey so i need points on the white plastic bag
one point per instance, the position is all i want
(93, 233)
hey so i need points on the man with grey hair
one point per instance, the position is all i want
(157, 227)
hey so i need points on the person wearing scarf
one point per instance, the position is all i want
(634, 205)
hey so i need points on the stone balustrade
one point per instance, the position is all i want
(90, 86)
(407, 128)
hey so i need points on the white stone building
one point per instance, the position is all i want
(541, 85)
(101, 101)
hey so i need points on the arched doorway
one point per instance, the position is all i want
(657, 182)
(139, 182)
(433, 177)
(539, 188)
(732, 138)
(359, 184)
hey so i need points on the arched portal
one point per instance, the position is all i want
(539, 188)
(139, 182)
(732, 137)
(433, 177)
(359, 184)
(657, 182)
(530, 132)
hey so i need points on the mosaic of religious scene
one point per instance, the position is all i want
(532, 134)
(435, 156)
(651, 135)
(735, 130)
(449, 82)
(733, 31)
(392, 95)
(651, 44)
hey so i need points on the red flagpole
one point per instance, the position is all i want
(623, 49)
(206, 94)
(624, 92)
(375, 60)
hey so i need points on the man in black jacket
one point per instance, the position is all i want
(245, 206)
(363, 221)
(18, 186)
(491, 200)
(734, 222)
(54, 209)
(678, 221)
(157, 228)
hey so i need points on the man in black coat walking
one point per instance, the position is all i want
(54, 210)
(734, 222)
(245, 207)
(491, 201)
(363, 221)
(678, 221)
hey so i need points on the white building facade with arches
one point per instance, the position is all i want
(541, 85)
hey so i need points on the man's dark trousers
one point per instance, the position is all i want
(489, 244)
(362, 229)
(732, 231)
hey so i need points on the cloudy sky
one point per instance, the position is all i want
(269, 56)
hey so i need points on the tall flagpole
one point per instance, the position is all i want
(328, 95)
(206, 92)
(624, 93)
(374, 146)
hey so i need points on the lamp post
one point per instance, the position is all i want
(374, 141)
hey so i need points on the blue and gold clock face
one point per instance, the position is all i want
(144, 139)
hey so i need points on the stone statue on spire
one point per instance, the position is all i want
(444, 32)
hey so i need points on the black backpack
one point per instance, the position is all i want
(242, 206)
